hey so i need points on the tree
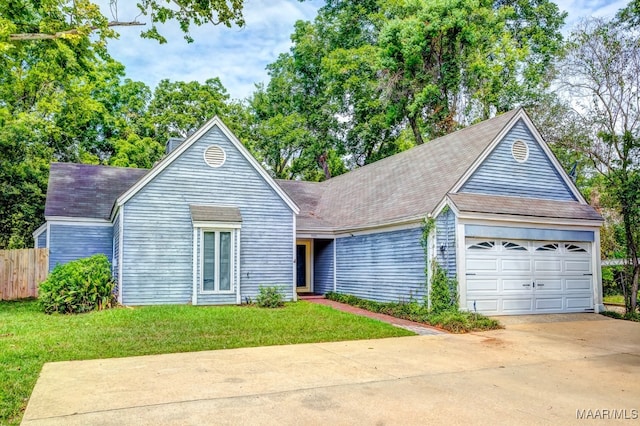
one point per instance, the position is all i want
(450, 63)
(68, 19)
(602, 73)
(136, 152)
(630, 15)
(177, 109)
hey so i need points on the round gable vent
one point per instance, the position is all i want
(520, 151)
(214, 156)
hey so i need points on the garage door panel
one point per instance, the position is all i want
(580, 303)
(476, 285)
(483, 305)
(516, 284)
(577, 266)
(548, 304)
(545, 285)
(578, 284)
(516, 265)
(549, 266)
(513, 305)
(482, 265)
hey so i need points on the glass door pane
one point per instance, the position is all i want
(301, 265)
(209, 261)
(225, 261)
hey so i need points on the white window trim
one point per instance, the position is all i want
(235, 233)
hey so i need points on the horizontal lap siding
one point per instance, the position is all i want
(158, 233)
(501, 174)
(116, 247)
(71, 242)
(323, 266)
(41, 242)
(388, 266)
(446, 238)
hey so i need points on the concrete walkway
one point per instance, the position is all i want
(527, 373)
(416, 327)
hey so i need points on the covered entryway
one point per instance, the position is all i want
(505, 276)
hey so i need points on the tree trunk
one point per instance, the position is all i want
(632, 253)
(416, 130)
(325, 165)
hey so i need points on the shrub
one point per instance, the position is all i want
(443, 293)
(450, 320)
(270, 297)
(79, 286)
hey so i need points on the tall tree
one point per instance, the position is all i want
(602, 73)
(447, 63)
(60, 19)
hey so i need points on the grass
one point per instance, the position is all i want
(616, 298)
(29, 338)
(453, 321)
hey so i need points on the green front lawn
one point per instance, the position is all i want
(616, 298)
(29, 338)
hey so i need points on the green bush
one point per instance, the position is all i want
(270, 297)
(79, 286)
(443, 293)
(450, 320)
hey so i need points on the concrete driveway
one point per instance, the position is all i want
(532, 372)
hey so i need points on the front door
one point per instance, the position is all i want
(303, 266)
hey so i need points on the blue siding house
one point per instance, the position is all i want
(208, 225)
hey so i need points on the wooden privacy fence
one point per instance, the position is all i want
(21, 271)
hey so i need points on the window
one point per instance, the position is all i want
(484, 245)
(217, 260)
(513, 246)
(572, 248)
(548, 247)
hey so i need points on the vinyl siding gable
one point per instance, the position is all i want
(501, 174)
(158, 232)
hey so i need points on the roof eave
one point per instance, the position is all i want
(562, 221)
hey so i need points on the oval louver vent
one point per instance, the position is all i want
(214, 156)
(520, 151)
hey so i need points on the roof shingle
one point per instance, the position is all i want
(405, 186)
(85, 190)
(519, 206)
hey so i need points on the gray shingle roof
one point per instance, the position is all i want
(403, 187)
(215, 214)
(306, 195)
(496, 204)
(87, 191)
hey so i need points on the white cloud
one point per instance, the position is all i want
(238, 56)
(579, 9)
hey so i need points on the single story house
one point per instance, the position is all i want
(208, 225)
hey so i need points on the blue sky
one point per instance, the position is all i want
(238, 56)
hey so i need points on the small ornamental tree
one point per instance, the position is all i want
(82, 285)
(443, 294)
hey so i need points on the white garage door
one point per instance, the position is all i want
(526, 277)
